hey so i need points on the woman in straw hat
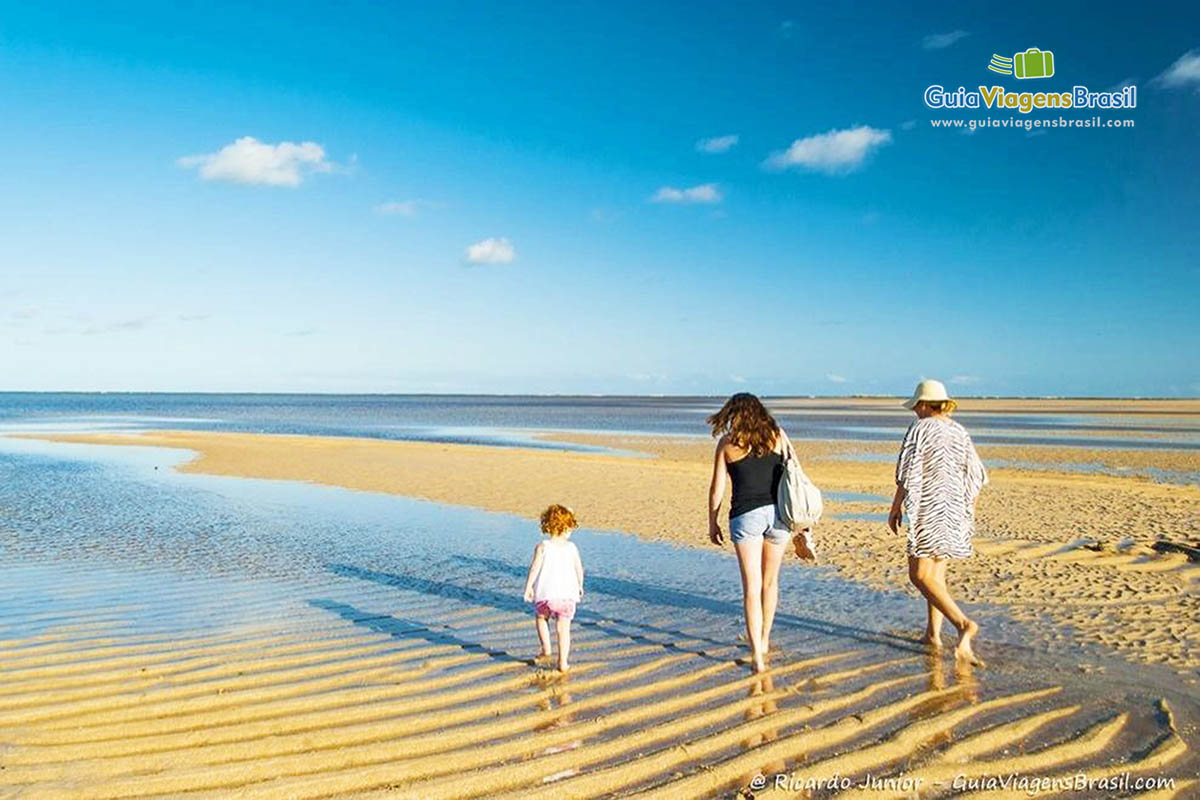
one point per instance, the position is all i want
(938, 478)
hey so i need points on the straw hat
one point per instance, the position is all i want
(930, 390)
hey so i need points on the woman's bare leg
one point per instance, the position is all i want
(749, 555)
(772, 559)
(562, 627)
(923, 574)
(933, 629)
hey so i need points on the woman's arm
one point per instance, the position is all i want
(897, 512)
(533, 571)
(909, 468)
(716, 494)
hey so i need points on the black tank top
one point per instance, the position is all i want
(755, 479)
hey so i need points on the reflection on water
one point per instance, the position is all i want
(124, 506)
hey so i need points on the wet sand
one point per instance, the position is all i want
(367, 684)
(1069, 547)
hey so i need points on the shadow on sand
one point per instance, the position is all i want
(626, 589)
(608, 626)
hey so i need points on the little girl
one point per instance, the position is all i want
(555, 581)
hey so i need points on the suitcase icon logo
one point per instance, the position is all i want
(1033, 63)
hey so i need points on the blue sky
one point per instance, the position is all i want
(524, 197)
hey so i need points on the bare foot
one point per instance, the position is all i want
(564, 666)
(758, 663)
(963, 651)
(932, 641)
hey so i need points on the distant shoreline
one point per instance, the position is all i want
(1190, 399)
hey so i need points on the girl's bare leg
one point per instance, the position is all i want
(543, 630)
(750, 555)
(772, 559)
(923, 574)
(562, 627)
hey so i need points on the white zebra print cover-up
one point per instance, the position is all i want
(942, 476)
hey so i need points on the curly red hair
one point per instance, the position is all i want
(557, 520)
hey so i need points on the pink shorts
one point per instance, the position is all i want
(558, 609)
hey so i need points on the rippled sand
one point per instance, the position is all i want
(364, 685)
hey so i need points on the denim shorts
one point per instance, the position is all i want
(758, 523)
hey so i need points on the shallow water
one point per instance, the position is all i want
(514, 420)
(102, 544)
(126, 506)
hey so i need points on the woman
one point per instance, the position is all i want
(749, 453)
(938, 478)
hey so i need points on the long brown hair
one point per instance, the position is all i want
(747, 423)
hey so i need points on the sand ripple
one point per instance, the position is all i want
(433, 698)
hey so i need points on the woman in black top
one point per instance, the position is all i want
(749, 454)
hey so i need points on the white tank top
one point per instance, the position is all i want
(556, 579)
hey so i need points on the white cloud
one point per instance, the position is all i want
(493, 250)
(908, 124)
(717, 144)
(833, 377)
(704, 193)
(833, 152)
(1184, 72)
(940, 41)
(966, 380)
(247, 160)
(787, 28)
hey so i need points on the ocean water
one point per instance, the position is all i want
(514, 420)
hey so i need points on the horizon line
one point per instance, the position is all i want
(655, 395)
